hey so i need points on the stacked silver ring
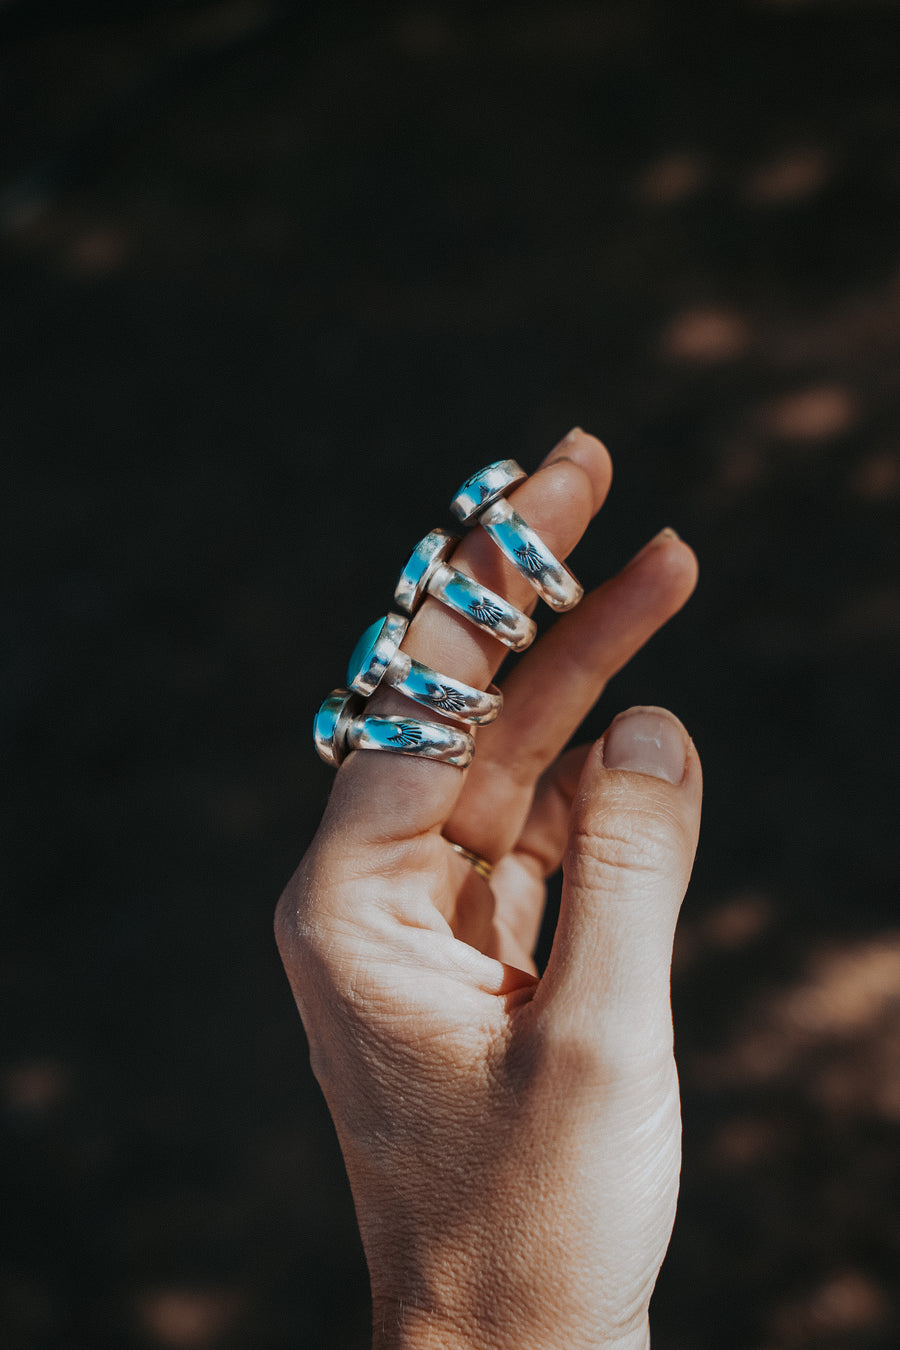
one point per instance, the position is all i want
(377, 659)
(341, 724)
(428, 573)
(482, 501)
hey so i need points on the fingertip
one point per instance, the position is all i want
(680, 560)
(590, 455)
(676, 570)
(671, 563)
(653, 743)
(647, 740)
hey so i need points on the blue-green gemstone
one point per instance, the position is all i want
(364, 650)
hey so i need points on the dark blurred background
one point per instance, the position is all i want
(276, 277)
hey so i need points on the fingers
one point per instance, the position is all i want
(388, 798)
(633, 834)
(518, 880)
(553, 688)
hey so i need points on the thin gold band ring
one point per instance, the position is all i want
(481, 865)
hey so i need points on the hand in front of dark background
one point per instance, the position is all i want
(512, 1142)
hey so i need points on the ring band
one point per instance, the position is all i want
(429, 573)
(481, 865)
(340, 727)
(481, 500)
(377, 659)
(486, 486)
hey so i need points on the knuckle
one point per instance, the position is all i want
(325, 948)
(610, 852)
(300, 927)
(286, 923)
(289, 911)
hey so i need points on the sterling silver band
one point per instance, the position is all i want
(526, 550)
(409, 736)
(429, 573)
(484, 487)
(341, 726)
(377, 659)
(331, 722)
(481, 500)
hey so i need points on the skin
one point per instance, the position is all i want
(513, 1143)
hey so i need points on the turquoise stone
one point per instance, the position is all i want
(364, 650)
(324, 722)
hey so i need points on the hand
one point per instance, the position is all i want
(512, 1143)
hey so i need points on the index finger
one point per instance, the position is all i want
(387, 799)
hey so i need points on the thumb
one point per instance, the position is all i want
(632, 838)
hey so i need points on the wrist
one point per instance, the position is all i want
(437, 1293)
(402, 1325)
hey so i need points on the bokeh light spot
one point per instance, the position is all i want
(97, 251)
(673, 178)
(847, 1302)
(877, 477)
(705, 336)
(850, 989)
(188, 1319)
(744, 1142)
(790, 177)
(810, 415)
(738, 921)
(36, 1087)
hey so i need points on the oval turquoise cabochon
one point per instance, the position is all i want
(361, 656)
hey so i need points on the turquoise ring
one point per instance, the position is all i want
(342, 725)
(482, 501)
(377, 659)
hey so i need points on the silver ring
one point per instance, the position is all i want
(339, 728)
(481, 500)
(377, 659)
(428, 572)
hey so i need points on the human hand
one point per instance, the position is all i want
(512, 1143)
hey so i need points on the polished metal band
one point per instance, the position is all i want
(484, 487)
(481, 865)
(340, 726)
(429, 573)
(378, 659)
(409, 736)
(487, 610)
(481, 500)
(331, 722)
(526, 551)
(427, 556)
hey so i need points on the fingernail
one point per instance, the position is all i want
(647, 740)
(667, 533)
(559, 450)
